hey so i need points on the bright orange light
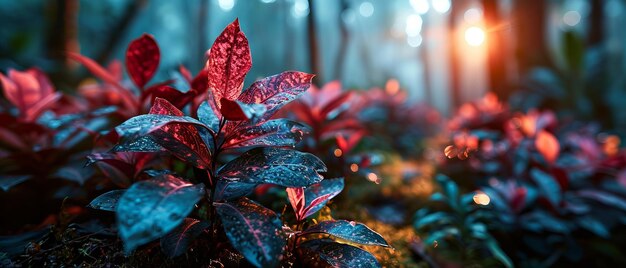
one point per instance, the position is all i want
(338, 152)
(392, 87)
(354, 167)
(474, 36)
(373, 178)
(481, 198)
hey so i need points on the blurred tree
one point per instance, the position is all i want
(531, 50)
(596, 27)
(313, 47)
(496, 50)
(457, 9)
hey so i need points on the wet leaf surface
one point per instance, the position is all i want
(150, 209)
(229, 62)
(341, 255)
(349, 230)
(279, 166)
(255, 231)
(107, 201)
(176, 242)
(277, 132)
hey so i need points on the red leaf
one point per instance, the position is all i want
(335, 103)
(547, 145)
(164, 107)
(308, 212)
(30, 91)
(229, 62)
(142, 59)
(182, 140)
(277, 90)
(296, 198)
(519, 199)
(185, 73)
(231, 110)
(97, 70)
(179, 99)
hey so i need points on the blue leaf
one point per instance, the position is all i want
(176, 242)
(107, 201)
(7, 182)
(340, 255)
(349, 230)
(278, 132)
(436, 217)
(208, 116)
(150, 209)
(144, 124)
(279, 166)
(548, 185)
(326, 186)
(140, 144)
(255, 231)
(230, 190)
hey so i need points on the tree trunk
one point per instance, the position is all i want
(529, 26)
(596, 27)
(496, 50)
(313, 49)
(454, 57)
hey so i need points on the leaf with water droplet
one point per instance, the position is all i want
(279, 166)
(145, 124)
(107, 201)
(255, 231)
(230, 190)
(141, 144)
(277, 90)
(229, 62)
(151, 208)
(339, 255)
(327, 187)
(208, 116)
(176, 242)
(277, 132)
(349, 230)
(182, 140)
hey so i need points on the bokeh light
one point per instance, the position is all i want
(571, 18)
(366, 9)
(441, 6)
(474, 36)
(420, 6)
(226, 5)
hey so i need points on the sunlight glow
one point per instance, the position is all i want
(474, 36)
